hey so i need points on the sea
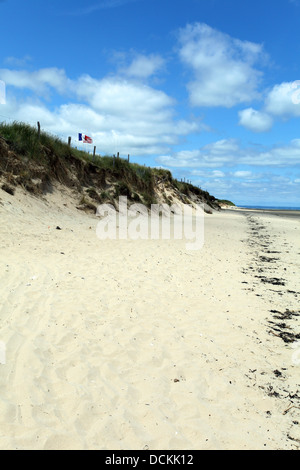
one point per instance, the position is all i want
(275, 208)
(280, 211)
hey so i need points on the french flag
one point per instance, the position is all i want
(85, 139)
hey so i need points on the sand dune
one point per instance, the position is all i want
(123, 344)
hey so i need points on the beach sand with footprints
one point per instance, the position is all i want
(142, 344)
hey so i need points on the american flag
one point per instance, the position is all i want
(85, 139)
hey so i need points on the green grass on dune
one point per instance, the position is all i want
(131, 179)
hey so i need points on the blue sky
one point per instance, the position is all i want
(208, 89)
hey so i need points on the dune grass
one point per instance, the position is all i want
(25, 141)
(130, 179)
(225, 201)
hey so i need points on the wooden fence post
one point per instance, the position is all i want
(128, 158)
(69, 141)
(94, 152)
(39, 130)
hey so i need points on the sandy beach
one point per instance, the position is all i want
(143, 344)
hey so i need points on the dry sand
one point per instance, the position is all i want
(143, 344)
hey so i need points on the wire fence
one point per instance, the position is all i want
(76, 144)
(10, 120)
(73, 142)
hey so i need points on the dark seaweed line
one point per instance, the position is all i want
(279, 326)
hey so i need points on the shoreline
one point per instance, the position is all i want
(142, 344)
(271, 212)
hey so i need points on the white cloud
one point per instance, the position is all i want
(243, 174)
(281, 155)
(256, 121)
(209, 156)
(100, 5)
(38, 81)
(17, 61)
(281, 101)
(143, 66)
(284, 99)
(208, 174)
(224, 74)
(247, 175)
(137, 118)
(228, 152)
(115, 96)
(245, 187)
